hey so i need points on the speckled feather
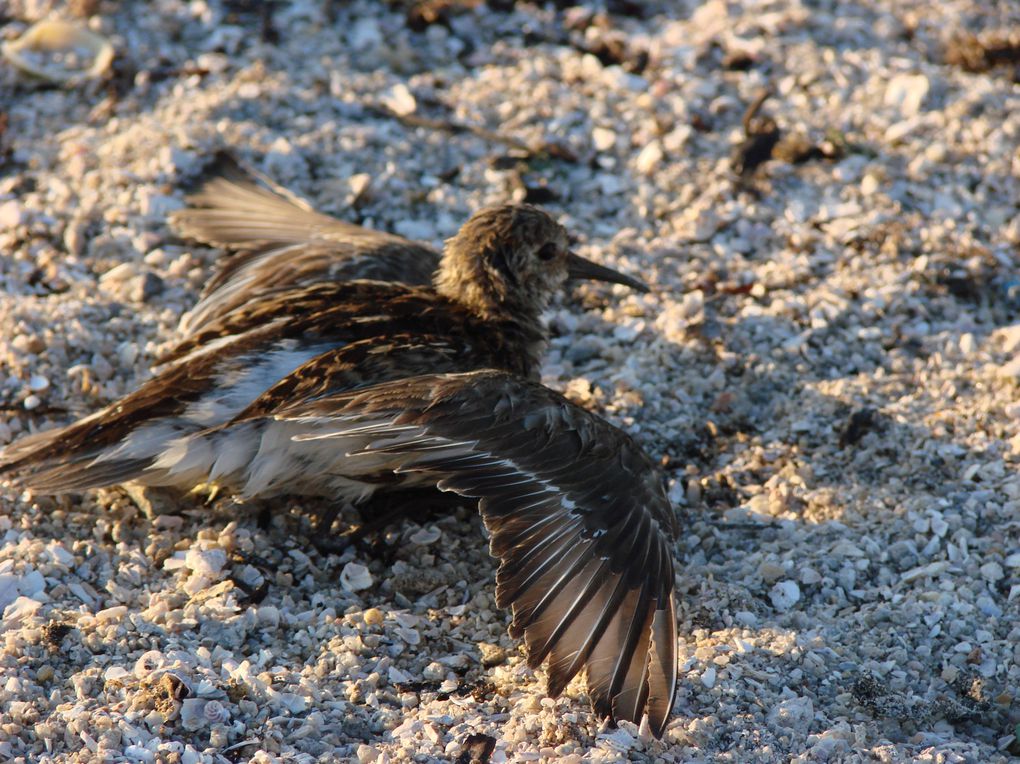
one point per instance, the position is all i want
(577, 513)
(496, 276)
(278, 241)
(361, 310)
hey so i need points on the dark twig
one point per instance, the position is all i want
(761, 136)
(547, 149)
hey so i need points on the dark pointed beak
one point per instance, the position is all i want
(579, 268)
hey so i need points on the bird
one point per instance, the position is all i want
(277, 239)
(496, 276)
(348, 389)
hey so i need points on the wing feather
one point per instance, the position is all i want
(280, 242)
(576, 513)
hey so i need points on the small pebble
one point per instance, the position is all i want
(425, 536)
(649, 158)
(355, 577)
(12, 214)
(603, 138)
(784, 595)
(434, 671)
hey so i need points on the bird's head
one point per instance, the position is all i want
(511, 259)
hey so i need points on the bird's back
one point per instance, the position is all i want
(277, 240)
(297, 343)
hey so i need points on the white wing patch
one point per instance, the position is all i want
(183, 454)
(238, 387)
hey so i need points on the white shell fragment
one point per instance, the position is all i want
(907, 92)
(198, 712)
(205, 562)
(355, 577)
(427, 535)
(400, 99)
(784, 595)
(60, 52)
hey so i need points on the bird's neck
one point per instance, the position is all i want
(522, 346)
(487, 300)
(516, 334)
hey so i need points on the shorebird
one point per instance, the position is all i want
(349, 389)
(496, 276)
(278, 240)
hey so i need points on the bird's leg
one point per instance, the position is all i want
(388, 508)
(384, 511)
(323, 539)
(324, 525)
(402, 504)
(265, 517)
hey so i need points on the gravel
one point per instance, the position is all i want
(828, 368)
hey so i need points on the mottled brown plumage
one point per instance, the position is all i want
(577, 515)
(345, 388)
(277, 240)
(496, 277)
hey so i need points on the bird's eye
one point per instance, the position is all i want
(548, 251)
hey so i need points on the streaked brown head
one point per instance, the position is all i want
(512, 259)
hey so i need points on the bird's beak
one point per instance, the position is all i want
(579, 268)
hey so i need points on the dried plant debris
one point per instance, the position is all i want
(615, 49)
(761, 134)
(986, 51)
(243, 12)
(478, 749)
(797, 148)
(54, 632)
(764, 140)
(738, 60)
(728, 57)
(421, 14)
(60, 53)
(540, 149)
(961, 702)
(84, 8)
(859, 424)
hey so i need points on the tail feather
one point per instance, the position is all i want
(74, 477)
(240, 208)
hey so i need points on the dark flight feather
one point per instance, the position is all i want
(573, 482)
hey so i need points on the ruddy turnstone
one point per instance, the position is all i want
(319, 390)
(278, 240)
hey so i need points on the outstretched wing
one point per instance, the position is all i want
(281, 242)
(577, 513)
(120, 442)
